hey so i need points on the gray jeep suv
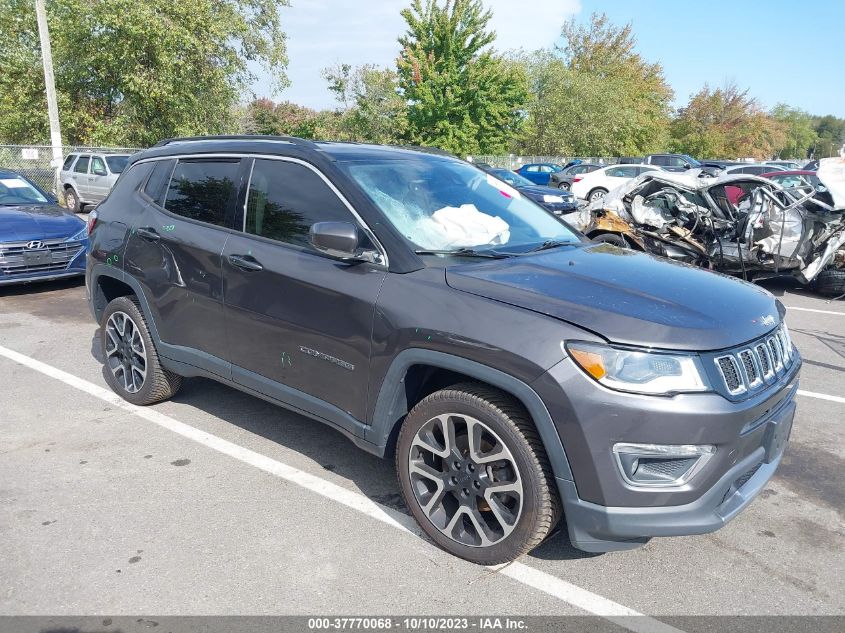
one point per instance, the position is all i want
(87, 178)
(515, 372)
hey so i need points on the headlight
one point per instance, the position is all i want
(552, 198)
(656, 373)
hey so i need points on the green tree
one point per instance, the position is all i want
(131, 73)
(726, 123)
(799, 135)
(595, 95)
(461, 96)
(831, 136)
(372, 108)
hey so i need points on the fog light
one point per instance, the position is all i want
(660, 465)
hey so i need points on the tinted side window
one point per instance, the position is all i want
(68, 162)
(660, 160)
(82, 165)
(157, 184)
(286, 198)
(203, 189)
(533, 168)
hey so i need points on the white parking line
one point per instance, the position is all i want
(821, 396)
(788, 308)
(534, 578)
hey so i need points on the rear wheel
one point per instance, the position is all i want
(72, 200)
(597, 194)
(132, 366)
(564, 186)
(831, 282)
(474, 474)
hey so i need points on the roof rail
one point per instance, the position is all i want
(293, 140)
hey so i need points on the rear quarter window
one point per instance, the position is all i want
(69, 161)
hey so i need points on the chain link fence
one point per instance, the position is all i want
(33, 161)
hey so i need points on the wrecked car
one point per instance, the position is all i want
(737, 224)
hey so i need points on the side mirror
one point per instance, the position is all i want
(687, 165)
(99, 172)
(340, 240)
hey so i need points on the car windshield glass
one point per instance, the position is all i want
(117, 163)
(513, 179)
(16, 190)
(692, 161)
(440, 204)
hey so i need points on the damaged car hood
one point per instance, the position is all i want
(625, 296)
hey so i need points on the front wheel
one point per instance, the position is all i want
(474, 474)
(132, 366)
(831, 282)
(72, 201)
(612, 238)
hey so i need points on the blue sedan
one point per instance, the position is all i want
(39, 240)
(538, 173)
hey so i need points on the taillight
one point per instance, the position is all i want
(578, 179)
(92, 221)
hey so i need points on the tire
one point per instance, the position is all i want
(140, 383)
(564, 186)
(612, 238)
(596, 194)
(72, 200)
(831, 282)
(450, 494)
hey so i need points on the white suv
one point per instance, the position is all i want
(87, 178)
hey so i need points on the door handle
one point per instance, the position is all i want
(245, 262)
(148, 233)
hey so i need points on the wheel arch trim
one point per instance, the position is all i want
(391, 405)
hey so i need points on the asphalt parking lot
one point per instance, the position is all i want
(218, 503)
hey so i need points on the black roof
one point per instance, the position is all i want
(286, 145)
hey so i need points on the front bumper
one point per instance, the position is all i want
(604, 513)
(596, 528)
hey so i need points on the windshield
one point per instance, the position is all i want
(443, 204)
(513, 179)
(15, 190)
(692, 161)
(117, 163)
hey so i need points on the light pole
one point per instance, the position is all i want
(50, 85)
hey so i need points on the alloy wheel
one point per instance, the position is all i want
(126, 354)
(465, 480)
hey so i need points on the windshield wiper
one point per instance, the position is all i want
(465, 252)
(551, 244)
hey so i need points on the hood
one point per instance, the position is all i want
(626, 297)
(37, 222)
(539, 191)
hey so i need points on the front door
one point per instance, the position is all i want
(175, 252)
(298, 322)
(98, 180)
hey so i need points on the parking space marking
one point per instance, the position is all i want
(788, 308)
(566, 592)
(821, 396)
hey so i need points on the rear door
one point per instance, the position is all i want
(175, 252)
(298, 322)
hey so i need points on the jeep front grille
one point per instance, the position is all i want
(750, 368)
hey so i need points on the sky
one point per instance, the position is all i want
(780, 50)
